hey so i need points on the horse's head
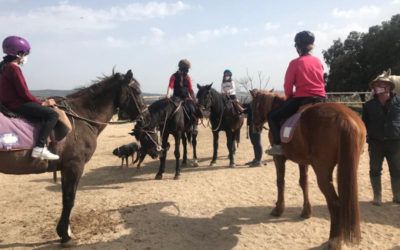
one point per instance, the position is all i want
(204, 98)
(129, 100)
(261, 105)
(148, 138)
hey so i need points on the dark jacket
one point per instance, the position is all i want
(382, 121)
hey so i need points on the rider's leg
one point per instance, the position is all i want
(49, 119)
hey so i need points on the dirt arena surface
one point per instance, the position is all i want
(208, 208)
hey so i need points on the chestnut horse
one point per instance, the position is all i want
(92, 108)
(328, 134)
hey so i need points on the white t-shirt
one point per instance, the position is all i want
(228, 88)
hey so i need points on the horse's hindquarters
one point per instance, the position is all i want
(21, 162)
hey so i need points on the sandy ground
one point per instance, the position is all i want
(208, 208)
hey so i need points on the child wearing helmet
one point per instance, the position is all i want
(228, 88)
(15, 96)
(306, 75)
(180, 86)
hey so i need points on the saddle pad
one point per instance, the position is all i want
(288, 127)
(17, 133)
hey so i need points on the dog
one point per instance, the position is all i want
(127, 150)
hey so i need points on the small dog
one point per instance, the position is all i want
(127, 150)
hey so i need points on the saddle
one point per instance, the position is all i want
(288, 127)
(17, 133)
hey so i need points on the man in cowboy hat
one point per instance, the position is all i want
(381, 116)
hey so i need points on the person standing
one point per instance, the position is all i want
(255, 137)
(381, 116)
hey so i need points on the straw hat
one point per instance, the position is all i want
(384, 77)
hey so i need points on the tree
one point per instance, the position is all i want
(362, 56)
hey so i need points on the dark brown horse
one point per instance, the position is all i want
(170, 118)
(222, 118)
(328, 134)
(93, 108)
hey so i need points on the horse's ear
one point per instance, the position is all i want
(129, 76)
(209, 86)
(198, 86)
(252, 93)
(271, 90)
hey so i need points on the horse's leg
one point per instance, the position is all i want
(194, 147)
(177, 154)
(230, 145)
(184, 143)
(163, 156)
(280, 182)
(325, 184)
(70, 177)
(303, 181)
(215, 148)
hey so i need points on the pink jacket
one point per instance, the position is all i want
(306, 73)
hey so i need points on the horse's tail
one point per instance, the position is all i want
(350, 147)
(237, 137)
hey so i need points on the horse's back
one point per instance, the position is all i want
(319, 131)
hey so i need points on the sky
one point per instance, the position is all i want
(74, 42)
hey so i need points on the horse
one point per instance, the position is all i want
(328, 134)
(171, 118)
(222, 118)
(90, 110)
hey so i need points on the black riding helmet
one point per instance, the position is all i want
(184, 64)
(304, 38)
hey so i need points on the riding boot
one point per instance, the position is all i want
(396, 189)
(377, 190)
(275, 150)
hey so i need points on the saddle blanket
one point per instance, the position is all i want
(21, 134)
(288, 127)
(17, 133)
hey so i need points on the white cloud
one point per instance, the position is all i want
(268, 41)
(363, 12)
(65, 17)
(156, 37)
(116, 43)
(206, 35)
(396, 2)
(300, 23)
(271, 26)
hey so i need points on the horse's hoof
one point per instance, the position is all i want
(177, 177)
(276, 212)
(158, 177)
(232, 165)
(305, 215)
(213, 164)
(334, 244)
(68, 243)
(195, 164)
(184, 165)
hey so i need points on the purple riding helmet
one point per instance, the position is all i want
(14, 45)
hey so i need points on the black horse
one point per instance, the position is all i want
(223, 117)
(91, 108)
(170, 117)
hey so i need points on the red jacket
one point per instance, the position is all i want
(306, 73)
(13, 88)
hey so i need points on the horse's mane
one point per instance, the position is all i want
(98, 85)
(268, 99)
